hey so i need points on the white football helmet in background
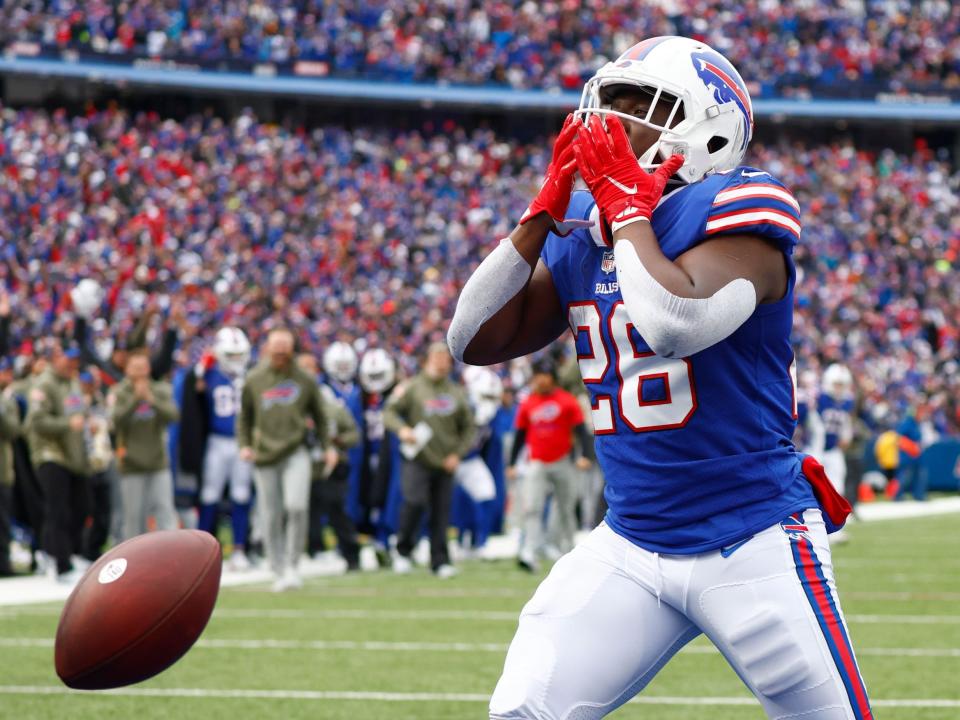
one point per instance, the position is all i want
(716, 122)
(86, 297)
(340, 362)
(377, 371)
(837, 381)
(231, 348)
(485, 389)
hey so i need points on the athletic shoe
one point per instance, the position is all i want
(292, 578)
(402, 565)
(239, 562)
(446, 571)
(70, 578)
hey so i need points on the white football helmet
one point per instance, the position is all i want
(377, 371)
(717, 114)
(340, 362)
(232, 350)
(837, 381)
(86, 297)
(485, 389)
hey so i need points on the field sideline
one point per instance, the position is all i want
(415, 648)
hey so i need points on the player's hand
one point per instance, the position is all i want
(623, 190)
(554, 195)
(583, 463)
(450, 462)
(246, 454)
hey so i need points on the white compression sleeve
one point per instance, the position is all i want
(501, 275)
(675, 326)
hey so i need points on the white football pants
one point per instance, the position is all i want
(835, 466)
(611, 614)
(222, 463)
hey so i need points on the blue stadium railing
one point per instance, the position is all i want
(169, 75)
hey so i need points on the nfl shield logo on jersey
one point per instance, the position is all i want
(607, 264)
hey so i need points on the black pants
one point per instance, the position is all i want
(98, 529)
(425, 489)
(6, 510)
(65, 512)
(328, 498)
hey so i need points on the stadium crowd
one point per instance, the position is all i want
(836, 48)
(367, 235)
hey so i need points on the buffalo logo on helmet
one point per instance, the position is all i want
(719, 76)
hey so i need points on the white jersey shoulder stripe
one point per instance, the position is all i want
(752, 217)
(757, 190)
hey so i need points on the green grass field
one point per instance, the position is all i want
(361, 646)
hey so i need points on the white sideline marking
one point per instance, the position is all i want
(411, 697)
(392, 646)
(417, 615)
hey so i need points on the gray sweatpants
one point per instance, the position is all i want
(284, 488)
(145, 494)
(539, 480)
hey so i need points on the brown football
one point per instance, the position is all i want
(138, 609)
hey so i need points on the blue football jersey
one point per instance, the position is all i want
(697, 451)
(223, 401)
(837, 417)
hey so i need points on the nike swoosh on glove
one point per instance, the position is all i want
(554, 195)
(624, 192)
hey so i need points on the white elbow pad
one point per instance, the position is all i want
(501, 275)
(675, 326)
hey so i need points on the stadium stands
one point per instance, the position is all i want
(831, 49)
(368, 234)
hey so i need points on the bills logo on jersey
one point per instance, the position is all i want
(285, 393)
(718, 75)
(545, 413)
(440, 405)
(73, 404)
(144, 411)
(608, 264)
(794, 526)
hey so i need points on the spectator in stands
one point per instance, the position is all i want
(9, 431)
(433, 420)
(328, 485)
(57, 425)
(140, 410)
(279, 406)
(547, 421)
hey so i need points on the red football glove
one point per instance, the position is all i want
(554, 195)
(623, 190)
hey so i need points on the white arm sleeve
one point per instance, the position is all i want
(501, 275)
(676, 326)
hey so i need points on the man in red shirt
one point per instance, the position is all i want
(547, 421)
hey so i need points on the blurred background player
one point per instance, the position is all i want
(328, 483)
(57, 425)
(340, 363)
(432, 418)
(10, 430)
(104, 481)
(379, 475)
(140, 410)
(547, 422)
(835, 407)
(215, 394)
(279, 405)
(475, 492)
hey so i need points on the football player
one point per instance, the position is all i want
(675, 273)
(340, 364)
(219, 380)
(379, 496)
